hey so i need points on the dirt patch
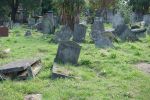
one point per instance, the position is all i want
(145, 67)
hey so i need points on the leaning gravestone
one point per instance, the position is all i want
(79, 33)
(46, 25)
(3, 31)
(22, 69)
(64, 34)
(68, 52)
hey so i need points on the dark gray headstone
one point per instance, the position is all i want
(68, 52)
(64, 34)
(79, 33)
(103, 43)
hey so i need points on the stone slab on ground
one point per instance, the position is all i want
(59, 71)
(33, 97)
(145, 67)
(21, 69)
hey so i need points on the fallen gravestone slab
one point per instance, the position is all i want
(58, 71)
(3, 31)
(68, 52)
(139, 32)
(22, 69)
(145, 67)
(33, 97)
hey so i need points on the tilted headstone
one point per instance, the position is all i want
(146, 19)
(68, 52)
(28, 33)
(3, 31)
(79, 33)
(64, 34)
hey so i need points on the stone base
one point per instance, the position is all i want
(59, 71)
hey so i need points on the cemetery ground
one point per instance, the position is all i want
(100, 74)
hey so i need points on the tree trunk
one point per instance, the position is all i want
(14, 8)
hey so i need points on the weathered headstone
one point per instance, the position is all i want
(79, 33)
(33, 97)
(48, 23)
(22, 69)
(133, 18)
(103, 43)
(64, 34)
(139, 32)
(3, 31)
(146, 19)
(117, 20)
(68, 52)
(28, 33)
(98, 24)
(31, 22)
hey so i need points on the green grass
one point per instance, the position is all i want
(103, 74)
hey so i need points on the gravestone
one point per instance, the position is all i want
(64, 34)
(21, 69)
(133, 18)
(117, 20)
(28, 33)
(31, 22)
(103, 43)
(46, 23)
(98, 24)
(3, 31)
(79, 33)
(146, 19)
(68, 52)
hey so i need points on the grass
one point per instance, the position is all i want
(103, 74)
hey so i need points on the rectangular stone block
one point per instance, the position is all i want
(3, 31)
